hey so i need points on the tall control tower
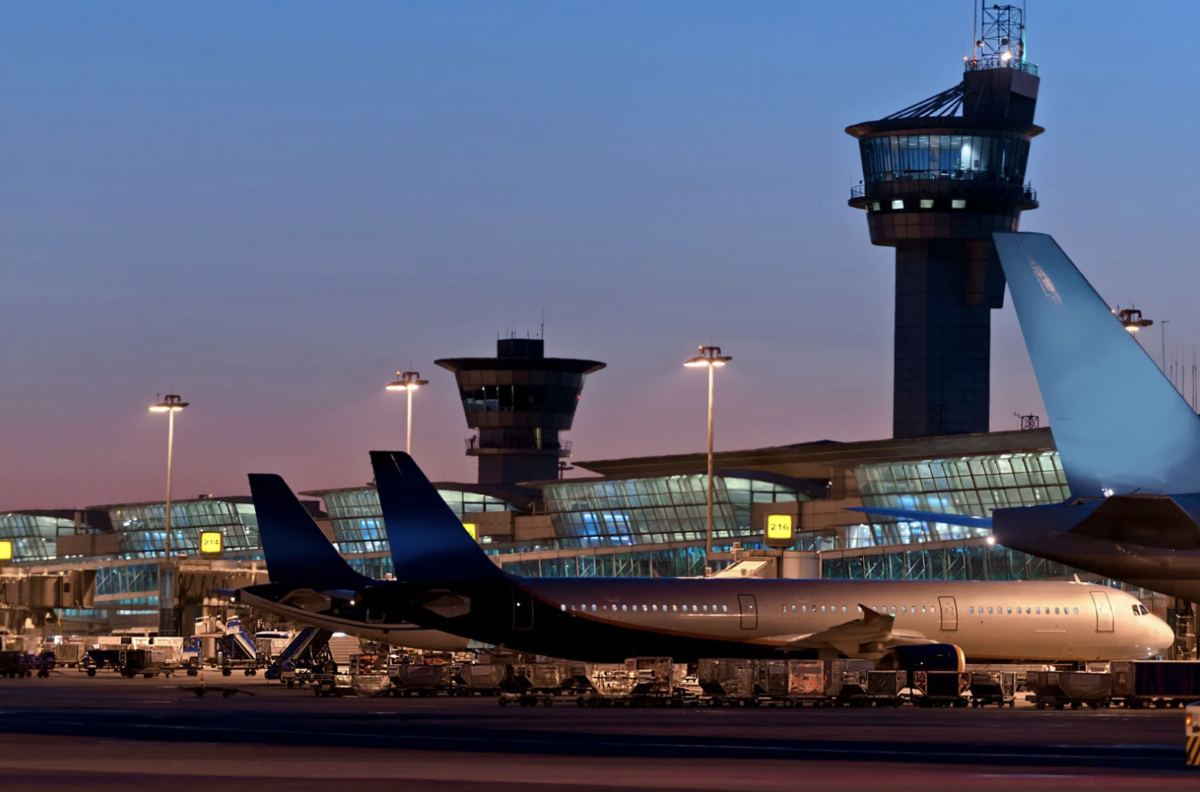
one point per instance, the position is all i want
(939, 177)
(519, 402)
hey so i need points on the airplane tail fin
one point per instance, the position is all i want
(429, 543)
(295, 549)
(1119, 425)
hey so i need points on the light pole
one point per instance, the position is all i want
(170, 405)
(710, 357)
(407, 381)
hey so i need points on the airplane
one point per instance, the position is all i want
(311, 583)
(1128, 440)
(446, 582)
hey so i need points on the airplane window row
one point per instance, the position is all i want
(649, 608)
(1035, 610)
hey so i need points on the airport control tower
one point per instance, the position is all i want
(519, 402)
(939, 177)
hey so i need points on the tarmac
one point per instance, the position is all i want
(108, 733)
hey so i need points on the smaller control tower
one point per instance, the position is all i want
(939, 177)
(519, 402)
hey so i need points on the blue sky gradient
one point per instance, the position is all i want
(270, 207)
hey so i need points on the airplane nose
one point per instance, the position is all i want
(1164, 636)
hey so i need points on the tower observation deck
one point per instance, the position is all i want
(519, 402)
(939, 177)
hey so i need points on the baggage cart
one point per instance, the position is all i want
(1158, 683)
(806, 682)
(771, 682)
(417, 680)
(941, 688)
(724, 681)
(483, 680)
(1059, 689)
(993, 687)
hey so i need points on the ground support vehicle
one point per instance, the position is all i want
(1158, 683)
(369, 675)
(13, 664)
(726, 682)
(332, 684)
(807, 681)
(993, 687)
(639, 682)
(1059, 689)
(872, 688)
(940, 688)
(481, 680)
(1191, 735)
(128, 663)
(412, 679)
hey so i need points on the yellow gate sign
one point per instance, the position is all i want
(210, 542)
(780, 530)
(5, 551)
(470, 529)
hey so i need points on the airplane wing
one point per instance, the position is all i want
(865, 637)
(913, 514)
(1145, 520)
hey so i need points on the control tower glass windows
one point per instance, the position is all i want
(994, 158)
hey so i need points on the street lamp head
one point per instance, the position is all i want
(172, 403)
(405, 381)
(709, 356)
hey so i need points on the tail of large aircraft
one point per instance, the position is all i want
(429, 543)
(1119, 425)
(297, 552)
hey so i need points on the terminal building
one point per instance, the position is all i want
(939, 177)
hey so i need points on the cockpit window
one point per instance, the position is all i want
(1137, 610)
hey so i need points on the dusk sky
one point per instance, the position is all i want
(270, 207)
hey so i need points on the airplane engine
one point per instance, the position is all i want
(928, 657)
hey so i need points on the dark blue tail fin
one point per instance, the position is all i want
(429, 543)
(297, 552)
(1119, 424)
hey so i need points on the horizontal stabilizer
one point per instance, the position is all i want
(933, 517)
(1118, 423)
(1144, 520)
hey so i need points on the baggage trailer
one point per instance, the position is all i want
(530, 684)
(640, 682)
(872, 688)
(482, 680)
(940, 688)
(1158, 683)
(417, 680)
(993, 687)
(129, 663)
(772, 683)
(1075, 688)
(726, 681)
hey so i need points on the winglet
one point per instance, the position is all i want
(428, 541)
(296, 551)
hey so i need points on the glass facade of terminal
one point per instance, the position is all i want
(34, 537)
(994, 158)
(142, 527)
(972, 486)
(357, 517)
(620, 513)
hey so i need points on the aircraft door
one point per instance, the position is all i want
(522, 609)
(949, 613)
(749, 610)
(1104, 614)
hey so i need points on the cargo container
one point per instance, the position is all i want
(1161, 683)
(993, 687)
(1075, 688)
(940, 688)
(417, 680)
(726, 681)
